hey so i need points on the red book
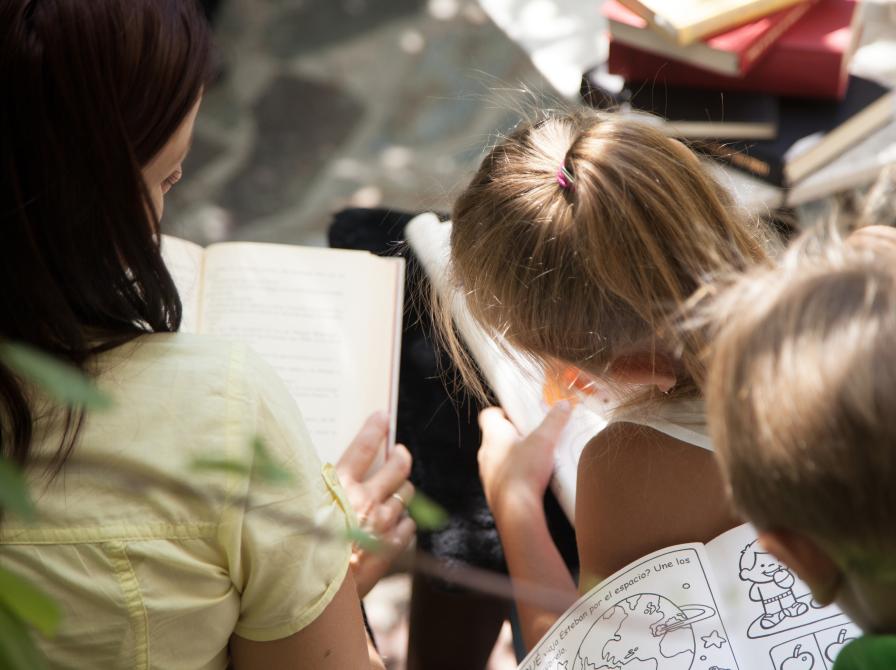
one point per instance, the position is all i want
(811, 60)
(732, 52)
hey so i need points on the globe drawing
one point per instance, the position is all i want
(641, 632)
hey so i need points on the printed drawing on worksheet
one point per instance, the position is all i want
(659, 614)
(814, 651)
(784, 604)
(773, 618)
(725, 605)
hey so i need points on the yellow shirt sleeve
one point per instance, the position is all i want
(285, 544)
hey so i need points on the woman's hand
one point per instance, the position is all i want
(511, 465)
(379, 501)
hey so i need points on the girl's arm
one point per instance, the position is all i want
(335, 640)
(515, 472)
(640, 490)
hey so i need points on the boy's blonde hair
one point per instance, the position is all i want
(801, 395)
(585, 271)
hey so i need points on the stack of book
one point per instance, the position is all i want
(761, 85)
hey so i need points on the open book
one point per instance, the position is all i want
(521, 387)
(725, 605)
(328, 321)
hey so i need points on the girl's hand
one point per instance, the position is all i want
(511, 465)
(380, 501)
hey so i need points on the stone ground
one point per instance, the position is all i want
(329, 103)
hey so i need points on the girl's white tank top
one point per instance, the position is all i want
(685, 420)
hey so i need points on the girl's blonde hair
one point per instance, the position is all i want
(593, 263)
(801, 392)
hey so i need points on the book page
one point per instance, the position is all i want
(522, 389)
(659, 613)
(773, 621)
(184, 261)
(328, 321)
(718, 14)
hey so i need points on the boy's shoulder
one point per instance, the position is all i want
(869, 652)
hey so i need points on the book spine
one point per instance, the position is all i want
(657, 22)
(765, 42)
(638, 8)
(720, 61)
(721, 21)
(788, 72)
(738, 156)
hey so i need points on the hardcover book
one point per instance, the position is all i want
(811, 134)
(691, 113)
(723, 605)
(686, 21)
(810, 60)
(860, 164)
(328, 321)
(732, 53)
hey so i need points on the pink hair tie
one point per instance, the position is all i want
(565, 179)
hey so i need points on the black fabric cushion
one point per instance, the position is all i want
(439, 427)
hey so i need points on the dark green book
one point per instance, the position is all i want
(811, 134)
(691, 113)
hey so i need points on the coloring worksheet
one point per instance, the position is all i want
(726, 605)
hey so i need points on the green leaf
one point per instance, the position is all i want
(231, 466)
(870, 652)
(27, 603)
(588, 581)
(265, 468)
(363, 539)
(17, 649)
(262, 466)
(427, 514)
(61, 381)
(14, 494)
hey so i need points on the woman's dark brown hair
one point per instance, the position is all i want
(90, 92)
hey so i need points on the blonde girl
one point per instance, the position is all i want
(578, 240)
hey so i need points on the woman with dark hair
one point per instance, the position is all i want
(153, 566)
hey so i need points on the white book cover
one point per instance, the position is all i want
(521, 387)
(859, 165)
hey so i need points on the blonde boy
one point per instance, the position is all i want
(801, 394)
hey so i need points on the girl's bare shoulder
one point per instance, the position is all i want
(631, 442)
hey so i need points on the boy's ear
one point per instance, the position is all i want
(803, 555)
(644, 369)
